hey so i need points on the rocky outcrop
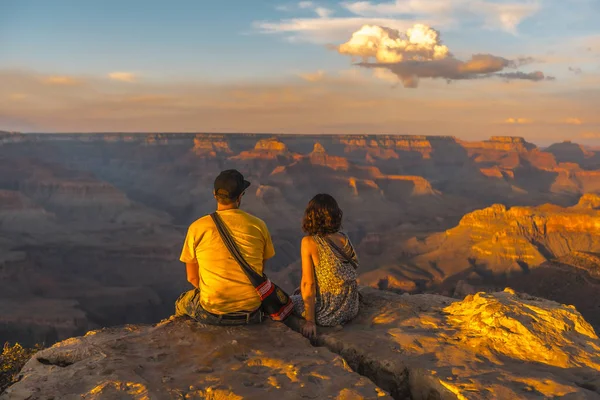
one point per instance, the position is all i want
(267, 149)
(320, 157)
(502, 143)
(207, 146)
(20, 214)
(570, 152)
(487, 346)
(182, 359)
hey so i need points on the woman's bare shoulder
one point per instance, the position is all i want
(308, 241)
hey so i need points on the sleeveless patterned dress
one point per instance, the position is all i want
(337, 290)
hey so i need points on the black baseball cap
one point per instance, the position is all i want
(230, 184)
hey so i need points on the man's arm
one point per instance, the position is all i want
(188, 256)
(193, 276)
(269, 250)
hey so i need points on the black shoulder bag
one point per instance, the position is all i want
(275, 302)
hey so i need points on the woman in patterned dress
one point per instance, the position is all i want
(329, 290)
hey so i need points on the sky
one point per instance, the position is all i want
(467, 68)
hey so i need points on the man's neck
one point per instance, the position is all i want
(221, 207)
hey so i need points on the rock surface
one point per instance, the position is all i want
(488, 346)
(182, 359)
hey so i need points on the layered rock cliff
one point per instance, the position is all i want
(488, 346)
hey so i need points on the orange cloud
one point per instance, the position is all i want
(148, 99)
(60, 80)
(572, 121)
(590, 135)
(313, 77)
(519, 121)
(123, 76)
(17, 96)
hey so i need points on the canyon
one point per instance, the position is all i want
(91, 225)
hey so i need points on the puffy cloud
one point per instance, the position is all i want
(420, 53)
(306, 4)
(313, 76)
(518, 121)
(388, 45)
(122, 76)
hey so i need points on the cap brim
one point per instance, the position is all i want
(246, 184)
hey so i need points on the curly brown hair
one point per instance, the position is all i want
(322, 216)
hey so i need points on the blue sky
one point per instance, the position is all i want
(278, 44)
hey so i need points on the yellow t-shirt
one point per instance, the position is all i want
(224, 287)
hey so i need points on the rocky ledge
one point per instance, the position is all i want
(488, 346)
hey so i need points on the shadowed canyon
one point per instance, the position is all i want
(91, 225)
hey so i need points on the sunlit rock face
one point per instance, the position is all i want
(486, 346)
(320, 157)
(208, 146)
(500, 239)
(182, 359)
(267, 149)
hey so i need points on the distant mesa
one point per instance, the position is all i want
(207, 146)
(267, 149)
(570, 152)
(320, 157)
(502, 143)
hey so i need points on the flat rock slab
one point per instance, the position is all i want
(488, 346)
(181, 359)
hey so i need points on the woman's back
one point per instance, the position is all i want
(337, 290)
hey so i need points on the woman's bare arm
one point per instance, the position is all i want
(308, 286)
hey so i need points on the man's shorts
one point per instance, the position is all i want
(189, 304)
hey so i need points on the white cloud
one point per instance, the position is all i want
(419, 53)
(506, 16)
(122, 76)
(323, 12)
(401, 14)
(325, 30)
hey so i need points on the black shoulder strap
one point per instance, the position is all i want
(255, 278)
(341, 252)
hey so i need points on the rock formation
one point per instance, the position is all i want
(489, 345)
(320, 157)
(211, 147)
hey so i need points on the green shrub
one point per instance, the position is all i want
(12, 360)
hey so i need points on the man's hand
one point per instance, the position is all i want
(309, 329)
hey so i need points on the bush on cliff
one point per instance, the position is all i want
(12, 360)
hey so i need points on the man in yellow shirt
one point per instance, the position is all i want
(223, 294)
